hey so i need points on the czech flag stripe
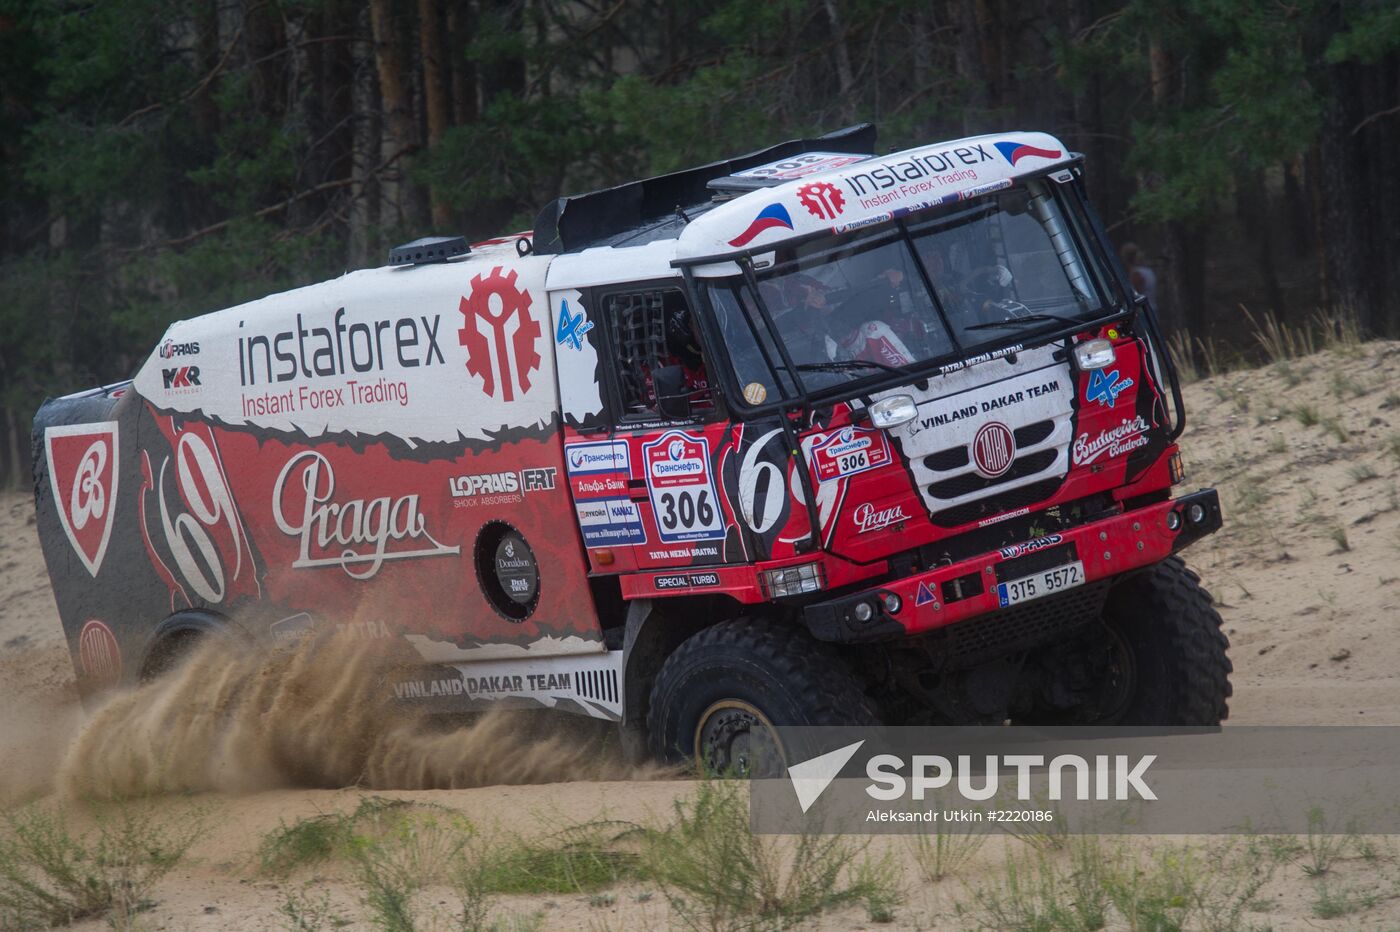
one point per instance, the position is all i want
(774, 215)
(1015, 151)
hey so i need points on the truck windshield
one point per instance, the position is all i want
(998, 269)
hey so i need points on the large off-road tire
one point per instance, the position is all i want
(718, 695)
(1173, 654)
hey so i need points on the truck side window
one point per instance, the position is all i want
(652, 330)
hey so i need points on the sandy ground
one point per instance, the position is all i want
(1306, 573)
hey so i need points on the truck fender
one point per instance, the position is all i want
(175, 635)
(648, 639)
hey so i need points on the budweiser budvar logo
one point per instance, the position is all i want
(357, 535)
(869, 518)
(1127, 436)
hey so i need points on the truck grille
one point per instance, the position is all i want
(1011, 500)
(988, 441)
(968, 483)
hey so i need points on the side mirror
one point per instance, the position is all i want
(672, 396)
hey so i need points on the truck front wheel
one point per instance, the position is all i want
(718, 696)
(1171, 652)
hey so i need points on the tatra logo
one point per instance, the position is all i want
(98, 653)
(1126, 437)
(502, 353)
(82, 461)
(355, 535)
(869, 518)
(822, 200)
(993, 449)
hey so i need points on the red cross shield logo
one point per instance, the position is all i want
(83, 476)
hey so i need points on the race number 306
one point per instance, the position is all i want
(681, 485)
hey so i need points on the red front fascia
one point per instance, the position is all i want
(741, 583)
(1107, 548)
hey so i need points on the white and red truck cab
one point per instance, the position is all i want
(808, 436)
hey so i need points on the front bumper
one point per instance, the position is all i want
(966, 590)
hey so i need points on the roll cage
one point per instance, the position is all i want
(1091, 240)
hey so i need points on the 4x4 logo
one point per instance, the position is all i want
(499, 334)
(572, 327)
(1105, 389)
(83, 476)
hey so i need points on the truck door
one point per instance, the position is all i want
(645, 439)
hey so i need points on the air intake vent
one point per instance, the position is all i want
(428, 250)
(599, 685)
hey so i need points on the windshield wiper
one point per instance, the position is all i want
(1028, 319)
(842, 365)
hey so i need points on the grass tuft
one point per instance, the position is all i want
(1324, 844)
(1334, 426)
(1334, 902)
(50, 876)
(1362, 472)
(945, 852)
(580, 859)
(716, 874)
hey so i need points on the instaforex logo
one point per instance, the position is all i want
(340, 348)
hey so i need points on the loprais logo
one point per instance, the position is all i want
(170, 349)
(499, 334)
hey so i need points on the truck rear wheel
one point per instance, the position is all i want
(1172, 655)
(718, 696)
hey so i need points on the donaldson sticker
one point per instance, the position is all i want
(517, 570)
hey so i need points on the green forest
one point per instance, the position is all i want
(163, 158)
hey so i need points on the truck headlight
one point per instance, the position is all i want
(893, 411)
(792, 580)
(1094, 354)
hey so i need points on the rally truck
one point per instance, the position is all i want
(807, 436)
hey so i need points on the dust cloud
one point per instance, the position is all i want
(318, 715)
(39, 717)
